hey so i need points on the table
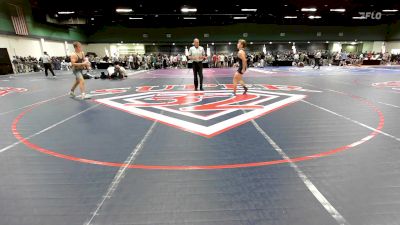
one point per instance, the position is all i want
(283, 63)
(205, 65)
(371, 62)
(105, 65)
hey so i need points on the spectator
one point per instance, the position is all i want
(184, 61)
(130, 62)
(296, 58)
(343, 58)
(317, 57)
(215, 60)
(221, 60)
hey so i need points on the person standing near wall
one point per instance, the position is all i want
(46, 59)
(221, 60)
(130, 62)
(317, 59)
(184, 61)
(197, 55)
(215, 60)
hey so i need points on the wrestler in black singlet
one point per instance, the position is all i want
(240, 66)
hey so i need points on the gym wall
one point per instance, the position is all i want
(37, 30)
(393, 33)
(254, 32)
(104, 37)
(392, 45)
(16, 45)
(99, 49)
(26, 46)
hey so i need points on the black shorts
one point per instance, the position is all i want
(240, 71)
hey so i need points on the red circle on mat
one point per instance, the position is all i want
(200, 167)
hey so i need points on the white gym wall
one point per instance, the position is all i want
(23, 46)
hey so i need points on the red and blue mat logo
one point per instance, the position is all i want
(9, 90)
(395, 85)
(207, 113)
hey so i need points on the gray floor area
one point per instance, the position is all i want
(333, 158)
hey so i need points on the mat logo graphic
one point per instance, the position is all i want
(207, 113)
(8, 90)
(190, 87)
(110, 91)
(395, 85)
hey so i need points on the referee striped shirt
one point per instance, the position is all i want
(197, 52)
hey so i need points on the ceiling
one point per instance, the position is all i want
(148, 13)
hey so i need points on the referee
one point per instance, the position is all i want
(197, 55)
(47, 64)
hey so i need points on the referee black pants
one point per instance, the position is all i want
(198, 71)
(47, 66)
